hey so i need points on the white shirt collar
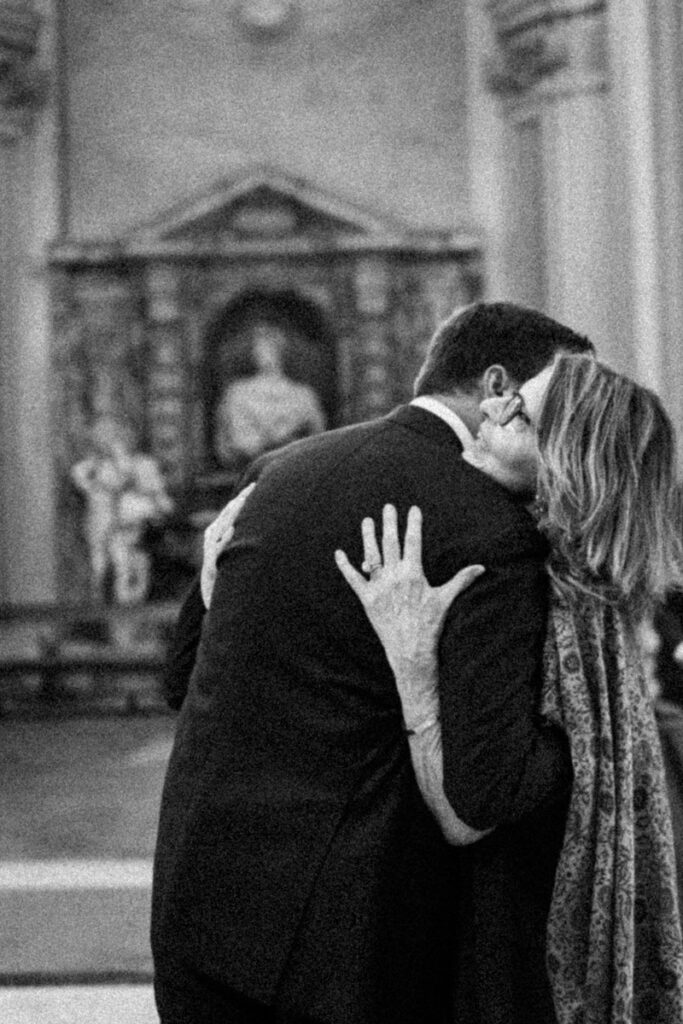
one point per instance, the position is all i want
(444, 412)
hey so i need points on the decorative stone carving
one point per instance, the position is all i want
(514, 15)
(162, 298)
(372, 284)
(124, 490)
(105, 360)
(547, 46)
(374, 370)
(265, 18)
(19, 25)
(160, 325)
(523, 62)
(166, 398)
(22, 84)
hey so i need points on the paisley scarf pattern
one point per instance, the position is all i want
(614, 947)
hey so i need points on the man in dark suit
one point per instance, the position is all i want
(298, 873)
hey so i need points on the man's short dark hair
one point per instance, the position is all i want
(493, 333)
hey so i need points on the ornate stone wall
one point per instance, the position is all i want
(22, 84)
(153, 327)
(134, 345)
(548, 47)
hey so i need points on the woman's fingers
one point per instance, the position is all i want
(390, 554)
(220, 531)
(371, 552)
(216, 538)
(412, 544)
(351, 575)
(391, 547)
(234, 507)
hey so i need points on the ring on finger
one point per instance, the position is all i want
(372, 567)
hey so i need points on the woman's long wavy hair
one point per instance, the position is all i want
(607, 491)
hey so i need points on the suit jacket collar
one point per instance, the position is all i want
(427, 424)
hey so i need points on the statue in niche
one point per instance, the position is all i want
(124, 491)
(267, 409)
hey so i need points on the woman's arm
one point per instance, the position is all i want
(217, 536)
(407, 615)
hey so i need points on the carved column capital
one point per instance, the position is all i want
(162, 293)
(22, 83)
(547, 47)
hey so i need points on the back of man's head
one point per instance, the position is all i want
(488, 334)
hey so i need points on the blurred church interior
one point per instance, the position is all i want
(198, 193)
(175, 172)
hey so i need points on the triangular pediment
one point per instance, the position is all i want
(265, 204)
(261, 212)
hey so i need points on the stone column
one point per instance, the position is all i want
(667, 20)
(372, 371)
(646, 46)
(26, 530)
(649, 155)
(167, 376)
(550, 73)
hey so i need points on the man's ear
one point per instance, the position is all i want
(496, 381)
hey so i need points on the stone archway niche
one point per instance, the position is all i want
(308, 359)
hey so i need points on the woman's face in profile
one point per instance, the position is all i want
(506, 447)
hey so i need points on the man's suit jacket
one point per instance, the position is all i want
(296, 861)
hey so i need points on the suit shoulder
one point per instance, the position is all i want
(484, 517)
(328, 444)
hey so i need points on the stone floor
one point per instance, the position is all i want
(78, 802)
(82, 1004)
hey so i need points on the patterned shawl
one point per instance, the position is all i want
(614, 947)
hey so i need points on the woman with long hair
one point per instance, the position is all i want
(598, 450)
